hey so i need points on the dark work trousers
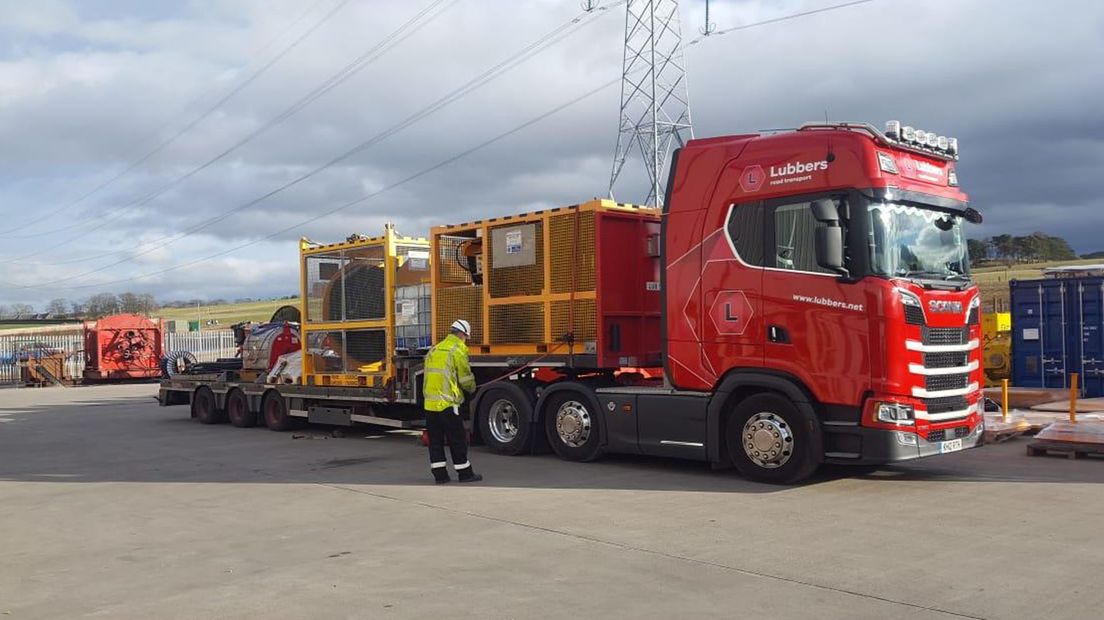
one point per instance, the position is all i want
(447, 424)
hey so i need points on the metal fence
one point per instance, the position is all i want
(17, 349)
(206, 346)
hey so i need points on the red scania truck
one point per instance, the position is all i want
(804, 297)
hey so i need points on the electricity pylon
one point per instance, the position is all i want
(655, 103)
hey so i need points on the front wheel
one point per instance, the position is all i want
(771, 440)
(572, 426)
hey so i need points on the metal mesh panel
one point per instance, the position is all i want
(413, 322)
(945, 335)
(323, 284)
(939, 383)
(460, 302)
(364, 280)
(520, 280)
(517, 323)
(365, 350)
(327, 351)
(586, 322)
(570, 266)
(945, 404)
(353, 351)
(449, 271)
(914, 315)
(944, 360)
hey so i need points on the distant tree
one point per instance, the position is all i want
(76, 308)
(1098, 254)
(102, 304)
(57, 306)
(1003, 247)
(978, 249)
(5, 312)
(21, 311)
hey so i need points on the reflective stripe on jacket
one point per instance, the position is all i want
(447, 375)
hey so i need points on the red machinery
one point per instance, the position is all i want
(122, 346)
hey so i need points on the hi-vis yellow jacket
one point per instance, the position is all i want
(447, 375)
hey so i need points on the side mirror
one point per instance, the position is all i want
(825, 210)
(829, 238)
(829, 248)
(972, 215)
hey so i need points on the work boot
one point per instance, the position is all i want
(440, 475)
(467, 475)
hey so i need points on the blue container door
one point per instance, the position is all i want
(1039, 343)
(1087, 298)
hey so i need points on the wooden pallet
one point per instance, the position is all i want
(1002, 435)
(1066, 449)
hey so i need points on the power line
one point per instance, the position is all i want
(426, 171)
(367, 197)
(377, 51)
(717, 33)
(551, 38)
(210, 110)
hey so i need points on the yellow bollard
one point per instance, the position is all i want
(1004, 400)
(1073, 397)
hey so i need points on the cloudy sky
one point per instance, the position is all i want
(110, 109)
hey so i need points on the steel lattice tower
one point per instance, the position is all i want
(655, 103)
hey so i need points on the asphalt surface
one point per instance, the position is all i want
(113, 507)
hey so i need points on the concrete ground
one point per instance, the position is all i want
(113, 507)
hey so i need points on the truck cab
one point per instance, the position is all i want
(829, 261)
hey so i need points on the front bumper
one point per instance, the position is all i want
(876, 446)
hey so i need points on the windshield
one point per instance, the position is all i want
(909, 241)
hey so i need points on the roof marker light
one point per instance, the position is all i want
(943, 142)
(893, 130)
(908, 133)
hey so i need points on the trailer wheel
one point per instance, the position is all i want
(572, 426)
(204, 408)
(771, 440)
(275, 412)
(237, 409)
(505, 419)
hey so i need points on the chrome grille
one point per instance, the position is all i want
(939, 383)
(945, 335)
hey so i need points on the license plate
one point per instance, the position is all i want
(953, 445)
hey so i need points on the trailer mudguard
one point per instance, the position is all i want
(756, 380)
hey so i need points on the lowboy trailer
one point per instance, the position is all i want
(802, 297)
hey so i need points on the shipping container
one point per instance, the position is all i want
(1057, 330)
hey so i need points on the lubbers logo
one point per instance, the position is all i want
(796, 171)
(793, 168)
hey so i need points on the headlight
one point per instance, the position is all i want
(909, 299)
(895, 413)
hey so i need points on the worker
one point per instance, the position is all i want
(447, 377)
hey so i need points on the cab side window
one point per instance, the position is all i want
(745, 229)
(795, 238)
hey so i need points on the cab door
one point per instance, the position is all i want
(816, 325)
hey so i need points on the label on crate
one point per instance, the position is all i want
(408, 312)
(513, 242)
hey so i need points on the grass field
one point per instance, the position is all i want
(993, 281)
(226, 315)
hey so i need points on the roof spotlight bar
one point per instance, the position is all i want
(926, 141)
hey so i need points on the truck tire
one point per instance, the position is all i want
(275, 411)
(237, 409)
(771, 440)
(204, 406)
(572, 426)
(505, 419)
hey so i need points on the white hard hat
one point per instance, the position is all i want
(461, 325)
